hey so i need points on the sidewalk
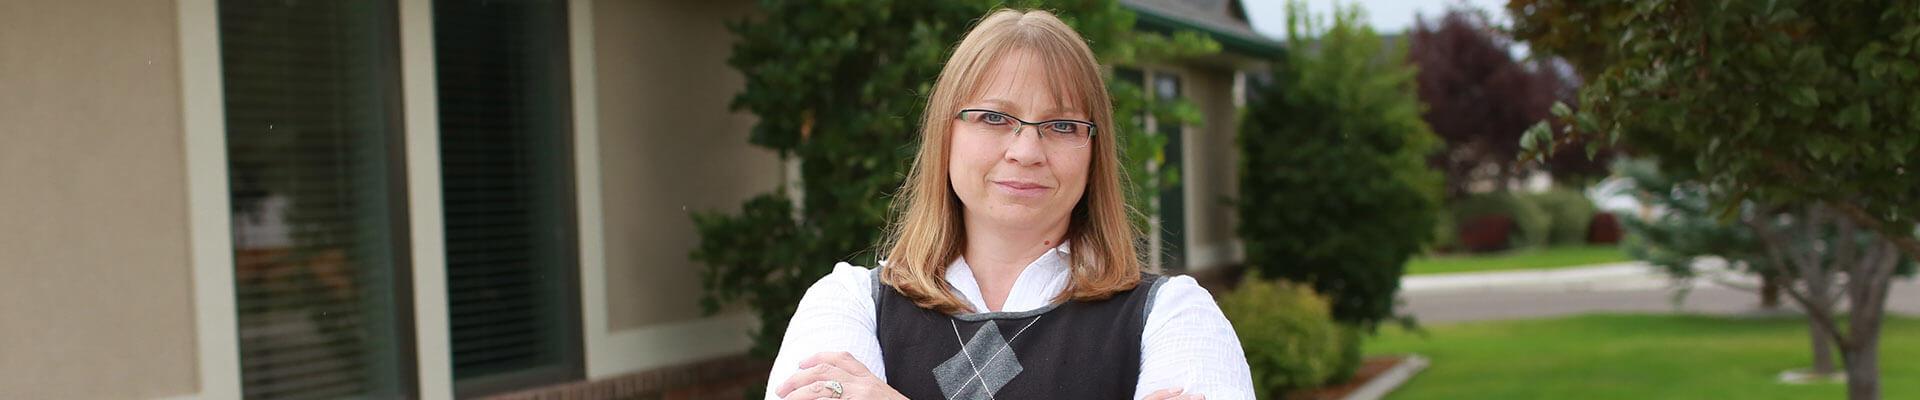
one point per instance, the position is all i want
(1631, 275)
(1620, 287)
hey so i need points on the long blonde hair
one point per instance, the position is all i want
(928, 232)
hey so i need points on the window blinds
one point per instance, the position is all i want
(506, 172)
(311, 131)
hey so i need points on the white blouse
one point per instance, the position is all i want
(1187, 342)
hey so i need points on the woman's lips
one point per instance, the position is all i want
(1022, 189)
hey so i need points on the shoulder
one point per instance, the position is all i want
(845, 274)
(1176, 299)
(1181, 287)
(847, 283)
(845, 277)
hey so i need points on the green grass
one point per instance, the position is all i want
(1633, 357)
(1552, 257)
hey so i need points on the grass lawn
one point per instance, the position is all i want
(1633, 357)
(1551, 257)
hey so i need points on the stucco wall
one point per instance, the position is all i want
(668, 146)
(1211, 174)
(95, 278)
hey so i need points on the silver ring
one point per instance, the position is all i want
(837, 389)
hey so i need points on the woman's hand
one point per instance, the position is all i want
(855, 381)
(1174, 394)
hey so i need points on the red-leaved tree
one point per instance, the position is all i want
(1481, 97)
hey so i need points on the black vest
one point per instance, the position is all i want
(1073, 350)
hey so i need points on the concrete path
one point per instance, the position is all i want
(1623, 287)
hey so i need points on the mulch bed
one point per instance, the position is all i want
(1370, 368)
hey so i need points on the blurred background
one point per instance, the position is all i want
(625, 199)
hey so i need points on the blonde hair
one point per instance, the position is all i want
(929, 233)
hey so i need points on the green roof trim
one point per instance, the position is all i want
(1232, 42)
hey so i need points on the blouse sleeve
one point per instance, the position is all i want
(836, 314)
(1188, 343)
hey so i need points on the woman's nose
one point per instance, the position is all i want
(1026, 149)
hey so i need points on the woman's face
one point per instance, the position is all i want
(1028, 180)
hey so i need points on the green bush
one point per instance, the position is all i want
(1335, 191)
(1530, 222)
(1568, 213)
(1349, 361)
(1289, 335)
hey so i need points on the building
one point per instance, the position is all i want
(1195, 223)
(403, 199)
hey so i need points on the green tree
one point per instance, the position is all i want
(1802, 107)
(1577, 31)
(1335, 191)
(840, 85)
(1687, 228)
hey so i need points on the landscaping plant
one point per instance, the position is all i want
(1289, 335)
(1805, 109)
(1335, 192)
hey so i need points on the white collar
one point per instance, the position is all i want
(1036, 286)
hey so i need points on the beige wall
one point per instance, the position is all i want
(668, 145)
(95, 291)
(1211, 172)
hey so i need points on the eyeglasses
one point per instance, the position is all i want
(1065, 132)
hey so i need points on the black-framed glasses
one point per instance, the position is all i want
(1067, 132)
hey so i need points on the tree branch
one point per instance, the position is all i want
(1907, 243)
(1776, 249)
(1819, 315)
(1881, 275)
(1846, 247)
(1905, 240)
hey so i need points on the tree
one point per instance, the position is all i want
(1480, 99)
(1334, 188)
(1577, 31)
(841, 86)
(1802, 107)
(1685, 228)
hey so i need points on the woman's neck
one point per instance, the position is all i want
(998, 254)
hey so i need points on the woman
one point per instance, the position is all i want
(1012, 269)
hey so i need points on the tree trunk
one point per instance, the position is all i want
(1867, 293)
(1769, 291)
(1818, 293)
(1868, 267)
(1822, 348)
(1863, 366)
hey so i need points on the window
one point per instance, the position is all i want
(319, 214)
(507, 174)
(313, 134)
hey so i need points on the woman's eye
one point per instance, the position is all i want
(991, 118)
(1064, 127)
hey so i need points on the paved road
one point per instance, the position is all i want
(1612, 288)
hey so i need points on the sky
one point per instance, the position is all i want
(1269, 17)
